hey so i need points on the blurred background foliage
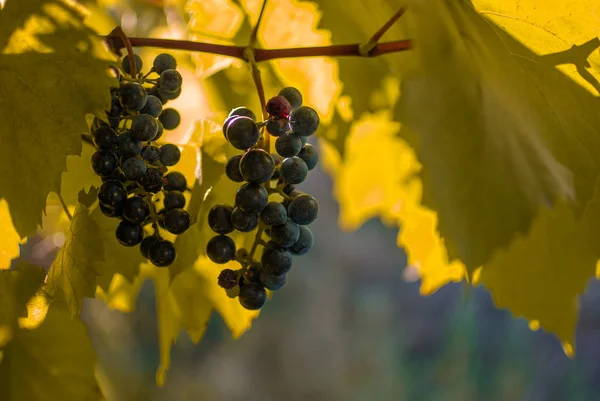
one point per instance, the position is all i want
(351, 323)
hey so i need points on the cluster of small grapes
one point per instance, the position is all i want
(134, 170)
(264, 174)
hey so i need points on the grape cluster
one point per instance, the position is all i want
(263, 174)
(134, 167)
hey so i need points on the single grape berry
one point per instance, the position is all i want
(105, 138)
(166, 96)
(303, 209)
(305, 242)
(309, 155)
(273, 214)
(126, 66)
(257, 166)
(278, 107)
(304, 121)
(170, 118)
(220, 249)
(252, 296)
(227, 279)
(251, 198)
(104, 163)
(146, 243)
(174, 200)
(134, 168)
(133, 96)
(272, 283)
(112, 193)
(288, 145)
(169, 154)
(242, 111)
(160, 130)
(276, 260)
(129, 234)
(226, 124)
(152, 181)
(136, 210)
(285, 234)
(170, 80)
(162, 253)
(278, 127)
(144, 127)
(244, 222)
(153, 106)
(177, 221)
(127, 145)
(242, 133)
(292, 95)
(150, 154)
(219, 219)
(232, 169)
(175, 181)
(163, 62)
(111, 212)
(293, 170)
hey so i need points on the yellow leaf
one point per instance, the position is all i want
(72, 275)
(56, 70)
(53, 362)
(9, 237)
(482, 128)
(367, 182)
(425, 250)
(541, 275)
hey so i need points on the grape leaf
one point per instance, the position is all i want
(9, 237)
(500, 145)
(88, 198)
(541, 275)
(55, 71)
(367, 180)
(55, 361)
(72, 275)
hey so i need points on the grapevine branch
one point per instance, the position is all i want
(238, 52)
(372, 42)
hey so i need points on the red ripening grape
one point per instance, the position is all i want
(279, 107)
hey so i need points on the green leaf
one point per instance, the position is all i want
(88, 198)
(79, 176)
(495, 140)
(72, 275)
(541, 275)
(52, 362)
(55, 70)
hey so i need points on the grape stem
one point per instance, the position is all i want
(65, 207)
(118, 32)
(254, 33)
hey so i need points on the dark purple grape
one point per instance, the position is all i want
(219, 219)
(232, 169)
(257, 166)
(303, 209)
(278, 107)
(162, 253)
(177, 221)
(129, 234)
(244, 222)
(252, 296)
(104, 163)
(220, 249)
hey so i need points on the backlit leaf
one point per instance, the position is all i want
(55, 70)
(72, 275)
